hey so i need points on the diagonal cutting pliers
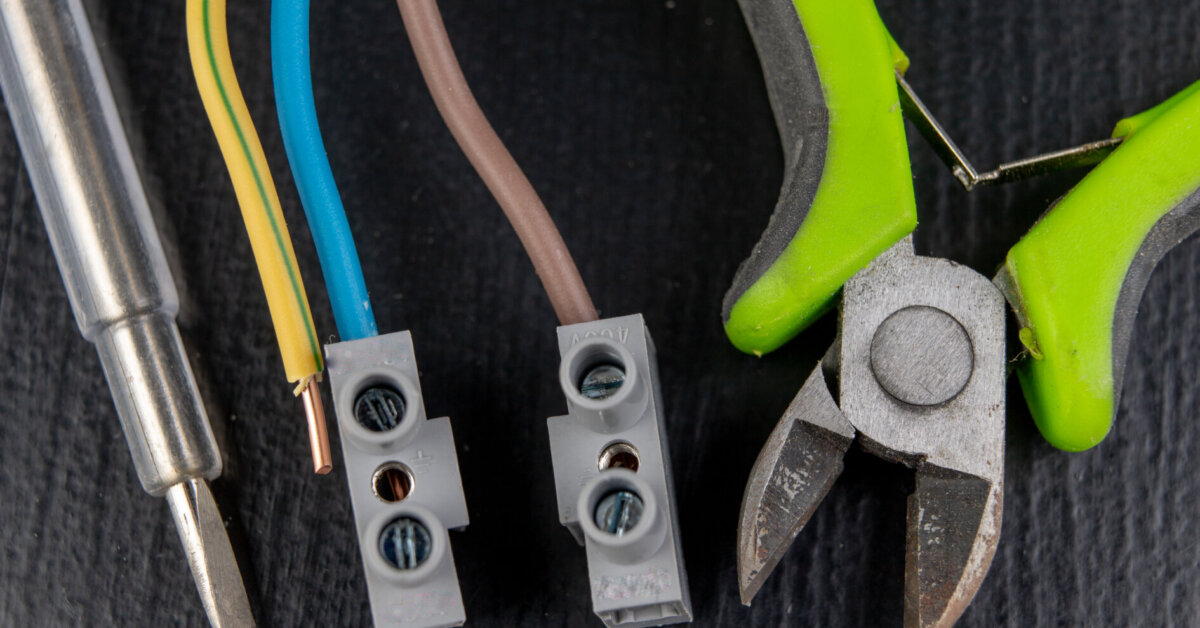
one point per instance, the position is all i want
(917, 373)
(919, 363)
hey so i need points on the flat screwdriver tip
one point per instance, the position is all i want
(209, 554)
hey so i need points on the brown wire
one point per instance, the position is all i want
(500, 172)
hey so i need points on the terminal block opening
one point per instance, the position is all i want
(379, 408)
(622, 517)
(392, 482)
(602, 381)
(619, 455)
(598, 372)
(619, 512)
(405, 543)
(604, 384)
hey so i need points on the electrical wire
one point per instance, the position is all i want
(208, 46)
(499, 171)
(310, 168)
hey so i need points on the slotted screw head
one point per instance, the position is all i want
(618, 512)
(405, 543)
(379, 408)
(602, 382)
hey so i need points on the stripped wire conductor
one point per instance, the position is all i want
(208, 45)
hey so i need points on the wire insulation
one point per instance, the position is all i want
(310, 168)
(208, 45)
(500, 172)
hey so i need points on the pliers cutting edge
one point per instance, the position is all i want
(920, 366)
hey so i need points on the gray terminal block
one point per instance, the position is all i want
(404, 482)
(612, 472)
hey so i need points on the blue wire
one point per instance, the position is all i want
(310, 168)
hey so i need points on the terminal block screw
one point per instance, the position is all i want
(602, 382)
(619, 512)
(404, 543)
(379, 408)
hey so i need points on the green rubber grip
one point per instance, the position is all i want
(1075, 280)
(847, 193)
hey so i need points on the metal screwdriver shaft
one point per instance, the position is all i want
(209, 554)
(112, 262)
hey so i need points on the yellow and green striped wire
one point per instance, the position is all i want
(208, 44)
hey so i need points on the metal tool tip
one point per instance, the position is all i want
(953, 529)
(209, 554)
(754, 561)
(793, 472)
(748, 586)
(318, 435)
(759, 551)
(776, 505)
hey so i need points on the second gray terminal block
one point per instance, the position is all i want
(612, 472)
(404, 482)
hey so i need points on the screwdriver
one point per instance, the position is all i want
(115, 270)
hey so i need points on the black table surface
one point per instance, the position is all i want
(646, 128)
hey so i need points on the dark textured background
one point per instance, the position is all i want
(645, 126)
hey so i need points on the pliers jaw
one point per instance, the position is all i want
(793, 472)
(953, 529)
(920, 363)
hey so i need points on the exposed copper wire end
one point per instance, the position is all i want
(396, 485)
(318, 436)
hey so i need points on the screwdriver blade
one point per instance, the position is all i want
(209, 554)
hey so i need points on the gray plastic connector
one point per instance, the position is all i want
(404, 482)
(612, 471)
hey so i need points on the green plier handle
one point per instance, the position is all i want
(847, 194)
(1074, 281)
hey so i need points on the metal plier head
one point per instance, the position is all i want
(920, 362)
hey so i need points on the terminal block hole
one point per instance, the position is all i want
(619, 512)
(392, 482)
(619, 455)
(405, 543)
(602, 381)
(379, 408)
(600, 374)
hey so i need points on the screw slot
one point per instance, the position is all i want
(602, 381)
(619, 455)
(392, 482)
(618, 512)
(379, 408)
(405, 543)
